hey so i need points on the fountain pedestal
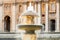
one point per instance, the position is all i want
(30, 31)
(29, 37)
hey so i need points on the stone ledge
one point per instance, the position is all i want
(10, 36)
(48, 35)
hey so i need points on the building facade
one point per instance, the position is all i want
(48, 11)
(11, 10)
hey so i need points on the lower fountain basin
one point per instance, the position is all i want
(29, 27)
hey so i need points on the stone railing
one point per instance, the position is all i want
(49, 35)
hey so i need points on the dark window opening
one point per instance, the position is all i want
(52, 25)
(7, 24)
(19, 8)
(44, 26)
(43, 15)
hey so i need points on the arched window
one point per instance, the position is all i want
(7, 24)
(52, 25)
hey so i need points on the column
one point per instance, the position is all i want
(13, 28)
(46, 18)
(25, 8)
(1, 13)
(36, 12)
(35, 7)
(39, 13)
(57, 16)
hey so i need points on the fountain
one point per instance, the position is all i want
(28, 24)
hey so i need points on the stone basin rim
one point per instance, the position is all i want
(30, 27)
(30, 24)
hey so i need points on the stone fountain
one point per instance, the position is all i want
(28, 24)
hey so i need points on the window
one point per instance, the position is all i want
(7, 7)
(19, 8)
(52, 6)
